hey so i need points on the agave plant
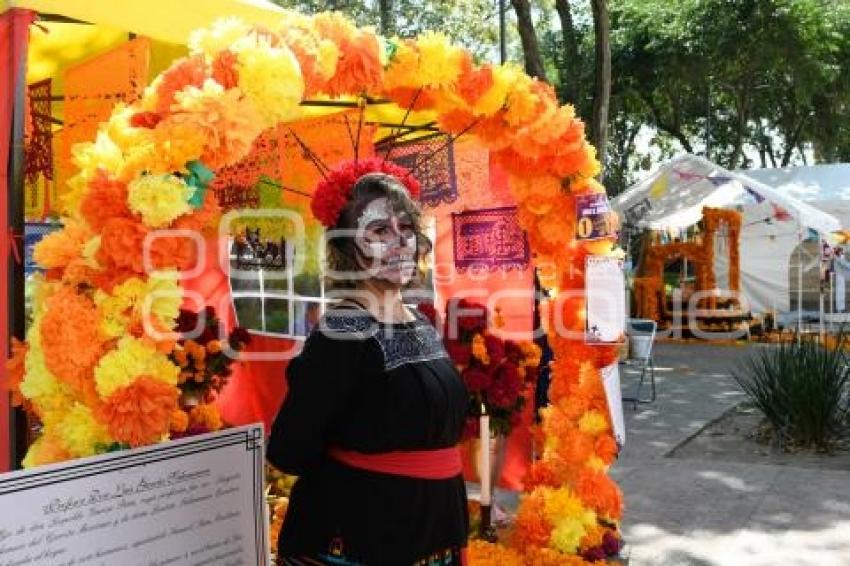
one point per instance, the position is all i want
(802, 389)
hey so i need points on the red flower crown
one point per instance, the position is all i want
(333, 192)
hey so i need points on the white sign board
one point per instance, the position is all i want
(605, 294)
(611, 382)
(197, 502)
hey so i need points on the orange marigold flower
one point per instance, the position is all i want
(532, 528)
(224, 70)
(121, 244)
(205, 416)
(106, 198)
(184, 72)
(600, 493)
(359, 68)
(605, 448)
(57, 250)
(483, 553)
(474, 82)
(71, 338)
(15, 370)
(140, 413)
(179, 421)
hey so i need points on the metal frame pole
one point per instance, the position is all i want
(16, 316)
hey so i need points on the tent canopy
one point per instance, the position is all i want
(675, 193)
(825, 187)
(164, 20)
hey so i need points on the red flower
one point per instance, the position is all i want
(145, 120)
(611, 543)
(239, 338)
(459, 353)
(506, 387)
(332, 192)
(469, 316)
(495, 348)
(476, 379)
(187, 321)
(513, 352)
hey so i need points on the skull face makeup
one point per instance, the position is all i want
(386, 242)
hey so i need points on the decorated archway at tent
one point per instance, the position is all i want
(99, 378)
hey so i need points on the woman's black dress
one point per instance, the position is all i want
(369, 387)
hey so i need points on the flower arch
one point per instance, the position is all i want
(95, 376)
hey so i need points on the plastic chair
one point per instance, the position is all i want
(641, 333)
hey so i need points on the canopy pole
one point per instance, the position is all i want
(799, 284)
(15, 317)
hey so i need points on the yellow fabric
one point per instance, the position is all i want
(165, 20)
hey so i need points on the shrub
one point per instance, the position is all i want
(801, 387)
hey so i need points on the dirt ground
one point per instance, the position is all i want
(742, 435)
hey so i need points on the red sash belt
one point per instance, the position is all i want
(439, 464)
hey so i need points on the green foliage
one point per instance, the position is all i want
(801, 388)
(747, 82)
(471, 23)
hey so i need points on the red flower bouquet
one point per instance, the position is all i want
(204, 360)
(495, 371)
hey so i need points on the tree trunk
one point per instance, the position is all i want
(602, 94)
(530, 47)
(385, 8)
(570, 72)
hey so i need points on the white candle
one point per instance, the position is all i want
(485, 460)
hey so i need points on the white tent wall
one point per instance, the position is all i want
(765, 260)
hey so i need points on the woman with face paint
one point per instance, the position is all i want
(375, 407)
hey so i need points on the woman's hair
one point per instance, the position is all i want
(342, 252)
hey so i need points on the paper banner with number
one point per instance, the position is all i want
(595, 219)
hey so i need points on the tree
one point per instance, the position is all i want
(385, 11)
(569, 64)
(530, 47)
(602, 90)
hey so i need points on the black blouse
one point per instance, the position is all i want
(371, 387)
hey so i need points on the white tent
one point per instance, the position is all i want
(825, 187)
(774, 224)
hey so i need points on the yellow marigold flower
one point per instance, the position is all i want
(567, 535)
(223, 33)
(80, 432)
(158, 297)
(439, 60)
(271, 78)
(131, 359)
(159, 199)
(593, 423)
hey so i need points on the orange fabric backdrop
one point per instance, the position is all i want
(482, 184)
(92, 89)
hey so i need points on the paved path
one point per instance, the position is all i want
(709, 512)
